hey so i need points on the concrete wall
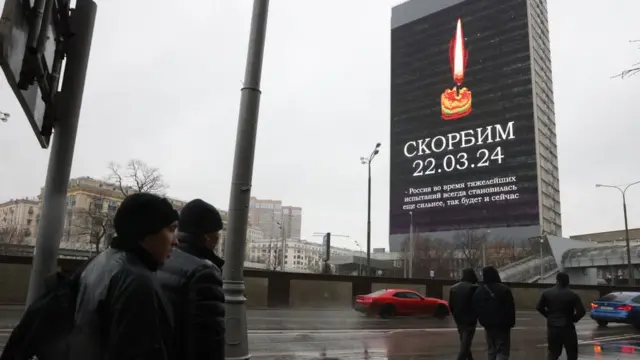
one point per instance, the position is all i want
(320, 294)
(14, 282)
(278, 289)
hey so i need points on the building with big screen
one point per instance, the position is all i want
(473, 142)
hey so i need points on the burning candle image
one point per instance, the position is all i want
(456, 102)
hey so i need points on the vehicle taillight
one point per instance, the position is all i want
(594, 306)
(628, 350)
(625, 308)
(363, 299)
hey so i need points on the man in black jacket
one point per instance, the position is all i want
(192, 281)
(461, 306)
(496, 310)
(121, 313)
(562, 308)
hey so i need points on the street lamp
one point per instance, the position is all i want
(367, 160)
(623, 190)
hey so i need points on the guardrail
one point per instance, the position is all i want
(527, 271)
(28, 250)
(517, 263)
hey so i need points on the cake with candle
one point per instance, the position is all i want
(455, 103)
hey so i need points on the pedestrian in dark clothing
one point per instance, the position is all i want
(121, 313)
(461, 306)
(192, 281)
(562, 308)
(494, 305)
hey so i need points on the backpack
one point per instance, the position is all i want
(44, 331)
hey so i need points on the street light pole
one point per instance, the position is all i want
(623, 191)
(237, 344)
(54, 198)
(541, 256)
(367, 160)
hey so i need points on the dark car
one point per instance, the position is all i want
(391, 302)
(617, 307)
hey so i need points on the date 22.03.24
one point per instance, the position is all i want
(461, 161)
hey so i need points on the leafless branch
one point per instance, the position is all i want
(469, 243)
(94, 223)
(137, 176)
(14, 235)
(428, 255)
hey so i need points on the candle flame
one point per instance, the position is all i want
(458, 54)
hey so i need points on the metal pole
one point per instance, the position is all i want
(411, 253)
(626, 231)
(541, 257)
(233, 285)
(284, 248)
(369, 220)
(484, 254)
(54, 199)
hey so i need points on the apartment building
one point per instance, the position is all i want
(91, 205)
(274, 219)
(300, 255)
(18, 220)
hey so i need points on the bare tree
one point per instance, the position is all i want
(469, 244)
(502, 252)
(273, 258)
(137, 176)
(428, 255)
(14, 235)
(94, 223)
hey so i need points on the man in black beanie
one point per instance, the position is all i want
(192, 281)
(121, 312)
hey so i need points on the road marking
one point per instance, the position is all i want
(293, 332)
(602, 339)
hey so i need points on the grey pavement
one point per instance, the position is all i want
(344, 334)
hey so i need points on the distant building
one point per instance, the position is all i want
(91, 205)
(18, 220)
(274, 219)
(300, 255)
(609, 236)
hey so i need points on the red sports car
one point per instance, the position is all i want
(391, 302)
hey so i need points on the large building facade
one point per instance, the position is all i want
(18, 220)
(274, 219)
(473, 142)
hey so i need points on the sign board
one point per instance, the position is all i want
(14, 36)
(326, 247)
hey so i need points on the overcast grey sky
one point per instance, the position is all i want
(164, 87)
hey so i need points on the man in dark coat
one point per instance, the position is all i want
(496, 310)
(562, 308)
(461, 305)
(121, 313)
(192, 281)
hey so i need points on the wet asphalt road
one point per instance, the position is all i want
(343, 334)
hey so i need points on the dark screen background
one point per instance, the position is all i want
(498, 74)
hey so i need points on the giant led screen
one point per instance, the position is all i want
(463, 152)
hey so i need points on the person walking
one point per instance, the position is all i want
(493, 303)
(121, 313)
(461, 306)
(192, 282)
(562, 308)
